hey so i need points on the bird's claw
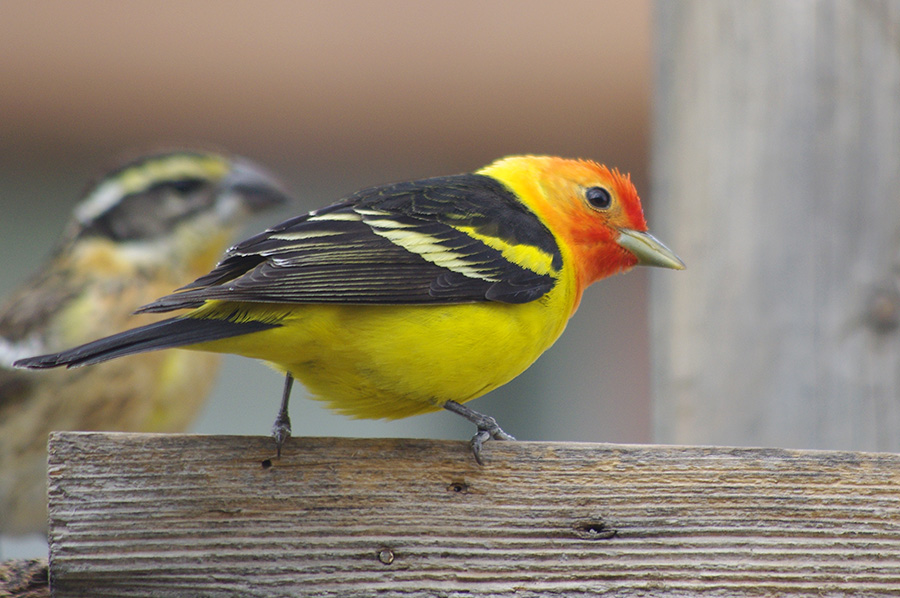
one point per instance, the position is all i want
(480, 438)
(487, 429)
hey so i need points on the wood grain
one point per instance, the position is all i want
(177, 515)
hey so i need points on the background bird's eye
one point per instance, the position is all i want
(185, 186)
(598, 197)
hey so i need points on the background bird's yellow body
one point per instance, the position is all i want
(162, 394)
(113, 258)
(156, 392)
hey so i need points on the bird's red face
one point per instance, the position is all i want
(595, 210)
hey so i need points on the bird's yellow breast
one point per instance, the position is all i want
(385, 361)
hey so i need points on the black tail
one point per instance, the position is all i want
(174, 332)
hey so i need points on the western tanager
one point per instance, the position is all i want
(143, 229)
(411, 297)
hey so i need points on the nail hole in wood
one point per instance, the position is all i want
(386, 556)
(593, 529)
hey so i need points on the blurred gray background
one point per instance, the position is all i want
(333, 97)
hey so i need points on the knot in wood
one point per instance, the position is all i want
(883, 310)
(458, 487)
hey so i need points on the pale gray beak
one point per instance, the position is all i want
(648, 250)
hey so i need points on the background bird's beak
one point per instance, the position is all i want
(648, 250)
(258, 189)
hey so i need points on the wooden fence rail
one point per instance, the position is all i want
(183, 515)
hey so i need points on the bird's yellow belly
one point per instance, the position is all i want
(396, 361)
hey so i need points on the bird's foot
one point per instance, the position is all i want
(487, 428)
(281, 431)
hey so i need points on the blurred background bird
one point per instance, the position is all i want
(142, 230)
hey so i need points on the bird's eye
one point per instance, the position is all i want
(598, 197)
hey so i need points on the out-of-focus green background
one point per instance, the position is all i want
(334, 96)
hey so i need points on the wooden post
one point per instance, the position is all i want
(777, 179)
(175, 515)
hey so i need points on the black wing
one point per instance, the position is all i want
(429, 241)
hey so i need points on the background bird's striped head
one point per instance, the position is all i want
(153, 195)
